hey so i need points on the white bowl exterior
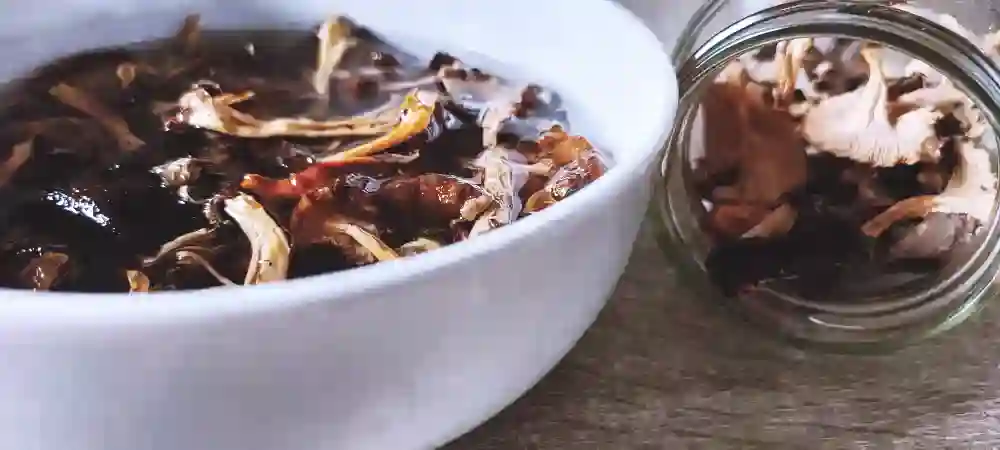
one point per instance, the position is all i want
(397, 356)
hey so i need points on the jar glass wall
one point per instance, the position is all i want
(771, 256)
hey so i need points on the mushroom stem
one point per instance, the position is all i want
(77, 99)
(191, 256)
(191, 239)
(368, 241)
(201, 110)
(419, 245)
(792, 55)
(269, 256)
(19, 154)
(911, 208)
(971, 191)
(334, 42)
(416, 114)
(188, 36)
(777, 223)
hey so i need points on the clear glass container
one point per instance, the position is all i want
(721, 31)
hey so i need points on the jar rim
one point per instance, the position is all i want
(890, 322)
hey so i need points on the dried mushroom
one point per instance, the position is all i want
(857, 124)
(221, 158)
(831, 162)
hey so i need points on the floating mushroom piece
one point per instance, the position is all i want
(502, 180)
(138, 282)
(43, 271)
(269, 246)
(577, 164)
(200, 109)
(334, 41)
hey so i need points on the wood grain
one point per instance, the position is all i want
(661, 369)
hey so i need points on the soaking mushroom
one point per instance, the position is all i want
(269, 248)
(83, 102)
(502, 179)
(317, 219)
(19, 154)
(577, 161)
(334, 40)
(199, 109)
(857, 125)
(43, 271)
(414, 117)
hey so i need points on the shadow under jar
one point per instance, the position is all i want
(832, 171)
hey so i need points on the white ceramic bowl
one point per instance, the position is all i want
(400, 355)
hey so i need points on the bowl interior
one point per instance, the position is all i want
(611, 71)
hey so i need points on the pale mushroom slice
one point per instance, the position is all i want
(20, 153)
(334, 41)
(368, 241)
(113, 123)
(126, 73)
(971, 190)
(418, 246)
(190, 256)
(138, 282)
(188, 35)
(497, 100)
(199, 109)
(43, 271)
(415, 116)
(192, 239)
(269, 247)
(856, 124)
(791, 55)
(502, 179)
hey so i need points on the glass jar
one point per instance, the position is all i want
(722, 30)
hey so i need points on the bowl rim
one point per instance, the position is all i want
(74, 308)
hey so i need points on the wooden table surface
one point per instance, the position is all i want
(663, 369)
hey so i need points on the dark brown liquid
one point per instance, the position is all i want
(79, 194)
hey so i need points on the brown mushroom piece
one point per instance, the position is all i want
(317, 220)
(577, 162)
(760, 144)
